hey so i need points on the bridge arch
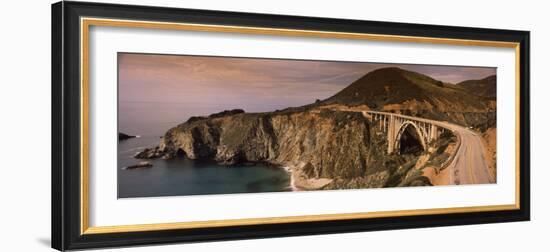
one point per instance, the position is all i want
(422, 135)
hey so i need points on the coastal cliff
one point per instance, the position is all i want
(316, 145)
(326, 145)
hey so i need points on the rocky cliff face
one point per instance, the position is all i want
(320, 143)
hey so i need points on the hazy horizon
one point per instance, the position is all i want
(159, 91)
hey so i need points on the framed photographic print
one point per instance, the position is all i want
(179, 125)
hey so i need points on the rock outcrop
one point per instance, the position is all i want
(142, 164)
(321, 143)
(123, 136)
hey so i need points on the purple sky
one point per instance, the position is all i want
(251, 84)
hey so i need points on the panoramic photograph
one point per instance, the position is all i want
(202, 125)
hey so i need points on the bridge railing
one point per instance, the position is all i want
(451, 157)
(412, 118)
(444, 125)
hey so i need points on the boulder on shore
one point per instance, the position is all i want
(150, 153)
(142, 164)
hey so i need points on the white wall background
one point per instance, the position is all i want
(25, 125)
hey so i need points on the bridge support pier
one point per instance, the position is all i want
(433, 134)
(394, 125)
(391, 133)
(384, 129)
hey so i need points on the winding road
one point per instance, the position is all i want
(469, 165)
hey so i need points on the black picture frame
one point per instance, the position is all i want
(66, 114)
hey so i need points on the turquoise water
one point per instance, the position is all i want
(183, 176)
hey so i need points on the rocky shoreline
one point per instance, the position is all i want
(318, 145)
(320, 148)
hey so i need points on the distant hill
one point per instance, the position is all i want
(486, 87)
(398, 89)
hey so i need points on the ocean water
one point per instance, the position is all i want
(182, 176)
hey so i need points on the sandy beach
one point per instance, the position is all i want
(299, 182)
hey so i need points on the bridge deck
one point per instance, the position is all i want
(469, 165)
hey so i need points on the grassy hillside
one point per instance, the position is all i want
(397, 90)
(486, 87)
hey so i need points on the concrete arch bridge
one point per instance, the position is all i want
(395, 125)
(467, 164)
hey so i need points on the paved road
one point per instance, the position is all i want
(469, 165)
